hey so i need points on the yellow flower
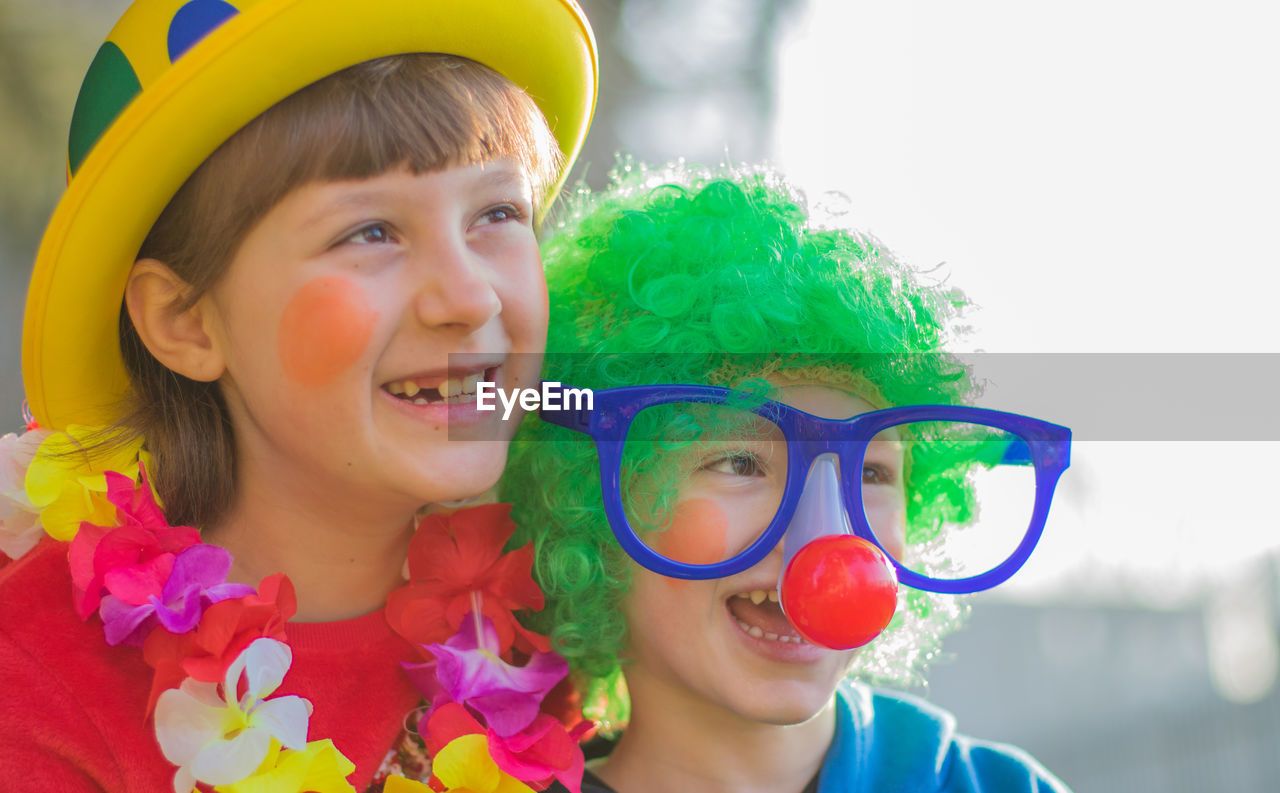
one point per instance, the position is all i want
(466, 766)
(398, 784)
(320, 768)
(69, 486)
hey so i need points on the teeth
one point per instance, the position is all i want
(759, 596)
(460, 385)
(411, 388)
(757, 632)
(396, 388)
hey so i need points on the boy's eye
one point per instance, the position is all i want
(372, 234)
(877, 474)
(737, 465)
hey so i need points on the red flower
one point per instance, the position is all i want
(452, 556)
(226, 628)
(445, 723)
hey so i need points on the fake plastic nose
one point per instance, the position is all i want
(837, 590)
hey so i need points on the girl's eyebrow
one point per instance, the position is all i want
(354, 199)
(504, 175)
(501, 175)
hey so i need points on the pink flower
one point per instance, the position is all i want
(132, 561)
(543, 749)
(197, 579)
(467, 672)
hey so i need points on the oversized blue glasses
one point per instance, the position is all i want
(703, 482)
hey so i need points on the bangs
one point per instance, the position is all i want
(423, 111)
(426, 112)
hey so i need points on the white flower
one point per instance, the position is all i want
(20, 527)
(215, 738)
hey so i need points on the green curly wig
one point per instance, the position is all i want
(720, 278)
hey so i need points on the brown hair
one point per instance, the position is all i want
(426, 111)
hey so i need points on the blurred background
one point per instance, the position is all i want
(1100, 178)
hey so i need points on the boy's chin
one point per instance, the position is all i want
(786, 704)
(781, 714)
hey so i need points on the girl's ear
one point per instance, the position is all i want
(179, 336)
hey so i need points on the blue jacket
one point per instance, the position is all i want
(887, 741)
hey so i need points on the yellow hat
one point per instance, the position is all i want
(176, 78)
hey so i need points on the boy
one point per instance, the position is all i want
(283, 218)
(746, 368)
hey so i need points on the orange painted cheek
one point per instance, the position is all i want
(324, 330)
(698, 534)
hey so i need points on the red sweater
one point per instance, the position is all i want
(71, 707)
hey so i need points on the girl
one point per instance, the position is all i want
(295, 235)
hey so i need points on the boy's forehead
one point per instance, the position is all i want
(810, 381)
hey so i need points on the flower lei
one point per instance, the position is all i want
(492, 723)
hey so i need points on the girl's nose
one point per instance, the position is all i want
(456, 289)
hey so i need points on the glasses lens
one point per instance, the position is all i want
(701, 482)
(964, 495)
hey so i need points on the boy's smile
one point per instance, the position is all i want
(354, 321)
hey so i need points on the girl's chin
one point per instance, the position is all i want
(464, 480)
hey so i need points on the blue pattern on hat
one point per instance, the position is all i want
(194, 21)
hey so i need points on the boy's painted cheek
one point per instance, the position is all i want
(324, 330)
(698, 534)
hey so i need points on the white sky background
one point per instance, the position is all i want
(1097, 177)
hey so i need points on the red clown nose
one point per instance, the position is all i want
(839, 591)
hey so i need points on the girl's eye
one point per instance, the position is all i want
(501, 213)
(372, 234)
(877, 474)
(737, 465)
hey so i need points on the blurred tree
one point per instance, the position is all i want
(683, 78)
(45, 47)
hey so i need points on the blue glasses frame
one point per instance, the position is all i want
(1044, 445)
